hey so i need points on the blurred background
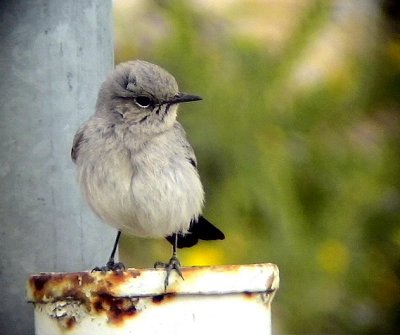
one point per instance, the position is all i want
(298, 144)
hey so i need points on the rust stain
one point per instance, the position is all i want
(117, 309)
(38, 283)
(93, 290)
(70, 323)
(117, 278)
(79, 285)
(55, 286)
(99, 292)
(120, 277)
(157, 299)
(86, 278)
(248, 294)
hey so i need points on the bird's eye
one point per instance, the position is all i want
(143, 101)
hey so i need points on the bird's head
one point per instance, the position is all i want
(141, 94)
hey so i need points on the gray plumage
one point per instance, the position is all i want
(135, 166)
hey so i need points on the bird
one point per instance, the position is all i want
(135, 166)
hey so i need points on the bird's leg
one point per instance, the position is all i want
(111, 265)
(173, 263)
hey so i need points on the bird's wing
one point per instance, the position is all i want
(181, 138)
(78, 140)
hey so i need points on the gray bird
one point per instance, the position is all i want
(135, 166)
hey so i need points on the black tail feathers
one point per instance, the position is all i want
(201, 229)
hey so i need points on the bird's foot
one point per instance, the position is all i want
(173, 264)
(110, 266)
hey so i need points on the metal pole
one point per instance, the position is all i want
(53, 56)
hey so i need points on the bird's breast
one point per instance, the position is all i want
(151, 192)
(166, 190)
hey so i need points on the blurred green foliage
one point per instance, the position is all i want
(298, 171)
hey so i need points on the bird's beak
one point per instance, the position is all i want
(183, 97)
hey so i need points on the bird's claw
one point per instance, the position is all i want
(110, 266)
(173, 264)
